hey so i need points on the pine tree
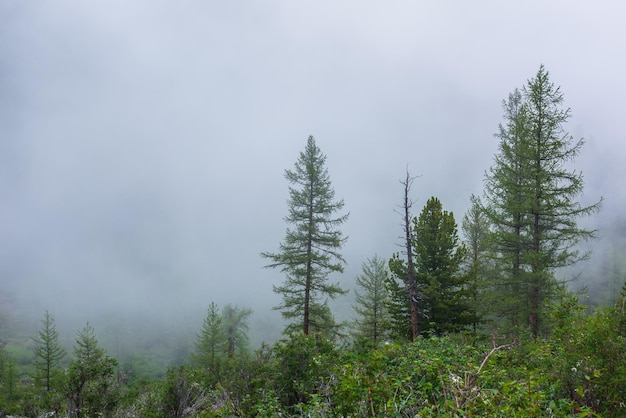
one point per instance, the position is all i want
(310, 250)
(530, 198)
(372, 301)
(438, 258)
(442, 286)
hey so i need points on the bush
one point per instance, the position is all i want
(592, 350)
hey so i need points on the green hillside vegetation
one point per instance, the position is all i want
(578, 371)
(463, 322)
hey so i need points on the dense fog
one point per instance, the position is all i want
(143, 145)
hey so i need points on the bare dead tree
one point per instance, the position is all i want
(411, 283)
(466, 390)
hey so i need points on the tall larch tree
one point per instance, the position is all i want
(371, 299)
(506, 189)
(310, 250)
(531, 196)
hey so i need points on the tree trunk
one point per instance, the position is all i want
(536, 267)
(307, 297)
(309, 267)
(411, 282)
(535, 281)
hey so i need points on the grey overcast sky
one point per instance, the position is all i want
(143, 143)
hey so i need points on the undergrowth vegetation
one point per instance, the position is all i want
(578, 371)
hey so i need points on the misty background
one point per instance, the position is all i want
(143, 144)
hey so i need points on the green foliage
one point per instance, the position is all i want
(181, 396)
(438, 258)
(236, 326)
(372, 301)
(8, 379)
(505, 196)
(177, 394)
(321, 322)
(211, 346)
(578, 371)
(310, 250)
(444, 297)
(450, 377)
(91, 386)
(530, 201)
(477, 266)
(622, 296)
(48, 355)
(592, 352)
(252, 385)
(302, 366)
(222, 336)
(398, 304)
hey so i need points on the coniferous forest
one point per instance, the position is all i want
(472, 316)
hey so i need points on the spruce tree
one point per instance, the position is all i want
(310, 250)
(530, 199)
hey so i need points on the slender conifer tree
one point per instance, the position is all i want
(310, 250)
(48, 354)
(372, 300)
